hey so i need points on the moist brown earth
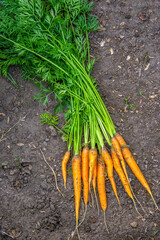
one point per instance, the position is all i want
(127, 74)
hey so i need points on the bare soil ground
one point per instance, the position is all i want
(127, 74)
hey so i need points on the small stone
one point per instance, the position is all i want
(128, 58)
(118, 124)
(111, 51)
(134, 224)
(20, 144)
(130, 180)
(152, 96)
(136, 34)
(102, 43)
(122, 24)
(53, 131)
(30, 167)
(11, 172)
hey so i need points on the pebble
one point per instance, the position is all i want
(136, 34)
(30, 167)
(102, 43)
(53, 131)
(152, 96)
(134, 224)
(11, 172)
(128, 58)
(118, 124)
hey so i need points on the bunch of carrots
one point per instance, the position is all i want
(90, 167)
(49, 39)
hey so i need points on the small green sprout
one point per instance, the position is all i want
(126, 100)
(140, 93)
(17, 159)
(131, 106)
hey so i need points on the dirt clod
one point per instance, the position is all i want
(134, 224)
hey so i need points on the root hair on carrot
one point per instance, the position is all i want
(55, 176)
(105, 223)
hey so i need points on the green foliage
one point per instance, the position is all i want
(131, 106)
(126, 100)
(140, 93)
(49, 39)
(49, 119)
(47, 33)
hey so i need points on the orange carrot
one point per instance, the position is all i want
(92, 162)
(108, 161)
(120, 172)
(94, 178)
(132, 163)
(101, 186)
(64, 166)
(85, 173)
(117, 149)
(76, 168)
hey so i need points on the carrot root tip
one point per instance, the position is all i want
(105, 222)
